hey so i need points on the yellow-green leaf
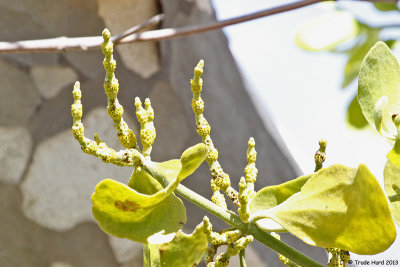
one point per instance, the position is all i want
(366, 39)
(191, 159)
(271, 196)
(392, 177)
(380, 76)
(144, 207)
(182, 250)
(119, 213)
(354, 115)
(339, 207)
(326, 31)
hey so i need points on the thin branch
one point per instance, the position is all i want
(62, 44)
(242, 260)
(157, 19)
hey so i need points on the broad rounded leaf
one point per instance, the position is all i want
(339, 207)
(392, 177)
(182, 250)
(380, 76)
(271, 196)
(119, 213)
(144, 207)
(327, 31)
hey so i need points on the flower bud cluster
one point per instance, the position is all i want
(233, 239)
(320, 155)
(111, 86)
(246, 184)
(145, 116)
(282, 258)
(220, 179)
(127, 157)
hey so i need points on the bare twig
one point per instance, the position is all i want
(62, 44)
(151, 22)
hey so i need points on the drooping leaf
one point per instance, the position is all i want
(354, 115)
(386, 6)
(339, 207)
(118, 212)
(327, 31)
(380, 76)
(271, 196)
(392, 177)
(144, 207)
(190, 160)
(182, 250)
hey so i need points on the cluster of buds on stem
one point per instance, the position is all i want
(233, 239)
(246, 184)
(220, 180)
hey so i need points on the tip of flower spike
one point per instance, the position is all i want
(147, 102)
(322, 142)
(251, 142)
(200, 64)
(106, 34)
(138, 102)
(77, 91)
(198, 71)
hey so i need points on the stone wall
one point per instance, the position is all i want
(45, 179)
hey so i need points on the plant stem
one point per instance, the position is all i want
(242, 258)
(394, 198)
(234, 220)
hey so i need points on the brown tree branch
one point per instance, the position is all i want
(62, 44)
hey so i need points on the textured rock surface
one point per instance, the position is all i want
(170, 122)
(24, 243)
(50, 80)
(142, 58)
(61, 178)
(18, 96)
(15, 150)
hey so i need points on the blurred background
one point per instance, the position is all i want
(257, 82)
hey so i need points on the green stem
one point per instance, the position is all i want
(394, 198)
(234, 220)
(242, 258)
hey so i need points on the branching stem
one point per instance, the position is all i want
(234, 220)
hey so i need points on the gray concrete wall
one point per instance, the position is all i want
(45, 179)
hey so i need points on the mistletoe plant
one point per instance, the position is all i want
(338, 208)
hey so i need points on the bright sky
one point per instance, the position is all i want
(301, 90)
